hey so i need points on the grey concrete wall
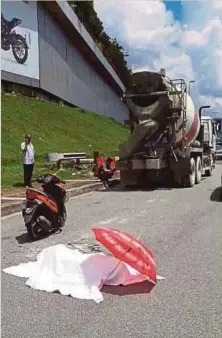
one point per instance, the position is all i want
(65, 73)
(79, 27)
(11, 77)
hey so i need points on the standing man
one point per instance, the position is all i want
(28, 153)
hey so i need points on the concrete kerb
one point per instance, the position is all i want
(17, 206)
(84, 189)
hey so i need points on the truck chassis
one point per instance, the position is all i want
(184, 170)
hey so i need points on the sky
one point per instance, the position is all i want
(183, 37)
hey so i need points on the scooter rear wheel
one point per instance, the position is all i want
(63, 218)
(33, 231)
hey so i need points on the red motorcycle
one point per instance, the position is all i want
(44, 211)
(105, 179)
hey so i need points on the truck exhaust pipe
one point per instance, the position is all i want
(200, 110)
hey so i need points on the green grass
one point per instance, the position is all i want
(54, 128)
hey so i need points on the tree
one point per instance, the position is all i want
(88, 16)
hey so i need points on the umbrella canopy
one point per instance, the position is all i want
(127, 249)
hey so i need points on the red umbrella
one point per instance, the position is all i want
(127, 249)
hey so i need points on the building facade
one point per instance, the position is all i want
(59, 57)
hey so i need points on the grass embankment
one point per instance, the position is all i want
(54, 128)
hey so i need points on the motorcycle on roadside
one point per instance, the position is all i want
(44, 211)
(105, 179)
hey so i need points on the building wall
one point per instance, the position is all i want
(65, 73)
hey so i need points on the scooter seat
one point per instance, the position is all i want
(41, 193)
(37, 191)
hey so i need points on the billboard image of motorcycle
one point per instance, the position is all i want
(11, 40)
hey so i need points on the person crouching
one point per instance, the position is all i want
(105, 171)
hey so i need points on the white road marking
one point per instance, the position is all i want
(142, 213)
(11, 215)
(123, 221)
(151, 200)
(108, 221)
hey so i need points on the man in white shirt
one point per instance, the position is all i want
(28, 153)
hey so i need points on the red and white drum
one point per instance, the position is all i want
(192, 126)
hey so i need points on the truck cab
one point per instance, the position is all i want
(209, 134)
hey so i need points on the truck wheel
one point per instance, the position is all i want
(214, 162)
(208, 172)
(198, 170)
(189, 180)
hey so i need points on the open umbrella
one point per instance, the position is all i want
(127, 249)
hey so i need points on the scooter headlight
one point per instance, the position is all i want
(28, 211)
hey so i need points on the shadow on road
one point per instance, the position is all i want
(117, 187)
(24, 238)
(132, 289)
(216, 195)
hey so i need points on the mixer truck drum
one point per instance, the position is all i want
(146, 88)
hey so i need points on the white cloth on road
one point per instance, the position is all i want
(71, 272)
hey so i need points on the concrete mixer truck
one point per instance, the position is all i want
(169, 141)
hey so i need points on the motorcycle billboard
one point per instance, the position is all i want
(19, 38)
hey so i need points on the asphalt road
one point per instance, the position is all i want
(184, 229)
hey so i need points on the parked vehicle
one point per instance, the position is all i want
(169, 139)
(44, 211)
(107, 178)
(219, 151)
(10, 39)
(221, 186)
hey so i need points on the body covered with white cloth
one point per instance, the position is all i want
(74, 273)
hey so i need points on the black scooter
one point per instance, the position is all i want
(10, 39)
(44, 211)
